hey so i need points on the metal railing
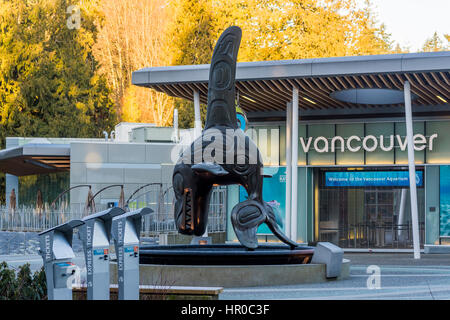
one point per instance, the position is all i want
(372, 235)
(158, 197)
(162, 219)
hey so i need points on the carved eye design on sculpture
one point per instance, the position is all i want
(221, 77)
(177, 183)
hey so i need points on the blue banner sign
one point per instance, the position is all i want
(444, 200)
(274, 193)
(371, 179)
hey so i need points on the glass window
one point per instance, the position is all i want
(441, 144)
(366, 217)
(379, 156)
(401, 157)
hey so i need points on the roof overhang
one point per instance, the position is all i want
(35, 158)
(266, 86)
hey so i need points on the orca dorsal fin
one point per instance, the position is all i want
(221, 110)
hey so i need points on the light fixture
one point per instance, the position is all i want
(371, 96)
(249, 99)
(309, 100)
(442, 99)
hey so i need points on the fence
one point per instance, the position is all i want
(159, 197)
(162, 219)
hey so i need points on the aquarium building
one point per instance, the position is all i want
(359, 147)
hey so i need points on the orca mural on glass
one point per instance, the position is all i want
(222, 155)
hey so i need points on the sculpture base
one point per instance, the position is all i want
(229, 265)
(224, 254)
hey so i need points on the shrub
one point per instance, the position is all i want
(23, 285)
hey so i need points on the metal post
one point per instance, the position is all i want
(412, 171)
(197, 118)
(175, 125)
(288, 167)
(401, 213)
(198, 127)
(294, 163)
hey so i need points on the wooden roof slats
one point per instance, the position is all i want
(250, 93)
(273, 94)
(361, 83)
(325, 95)
(350, 81)
(395, 82)
(317, 94)
(428, 87)
(246, 104)
(385, 81)
(418, 90)
(441, 83)
(376, 80)
(445, 77)
(280, 86)
(436, 88)
(440, 87)
(368, 82)
(284, 96)
(273, 98)
(312, 96)
(326, 82)
(170, 90)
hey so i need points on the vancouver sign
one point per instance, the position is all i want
(369, 143)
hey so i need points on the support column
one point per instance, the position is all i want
(401, 212)
(288, 168)
(175, 126)
(198, 127)
(294, 163)
(197, 118)
(412, 171)
(11, 181)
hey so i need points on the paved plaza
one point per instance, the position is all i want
(401, 277)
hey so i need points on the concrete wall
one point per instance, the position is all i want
(101, 164)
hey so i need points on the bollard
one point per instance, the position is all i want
(126, 231)
(95, 235)
(57, 254)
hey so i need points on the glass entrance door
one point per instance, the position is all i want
(367, 217)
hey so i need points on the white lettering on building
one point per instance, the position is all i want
(369, 143)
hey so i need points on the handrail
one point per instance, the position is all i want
(103, 189)
(140, 188)
(67, 190)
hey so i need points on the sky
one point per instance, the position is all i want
(412, 22)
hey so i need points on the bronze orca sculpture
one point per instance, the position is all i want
(222, 155)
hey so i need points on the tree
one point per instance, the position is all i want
(132, 37)
(435, 43)
(274, 30)
(49, 85)
(192, 36)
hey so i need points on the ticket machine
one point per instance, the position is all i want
(126, 230)
(57, 254)
(95, 235)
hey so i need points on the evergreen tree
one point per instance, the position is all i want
(48, 81)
